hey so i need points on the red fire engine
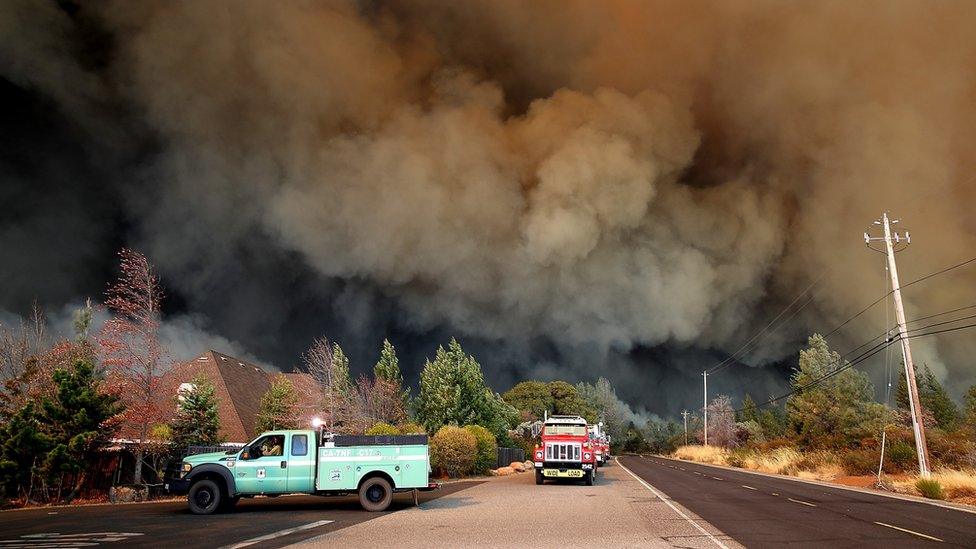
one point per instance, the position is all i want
(601, 443)
(566, 451)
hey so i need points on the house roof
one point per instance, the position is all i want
(239, 387)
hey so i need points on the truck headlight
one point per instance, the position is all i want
(538, 454)
(587, 456)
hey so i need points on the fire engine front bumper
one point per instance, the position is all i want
(551, 469)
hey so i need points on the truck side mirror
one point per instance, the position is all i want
(244, 453)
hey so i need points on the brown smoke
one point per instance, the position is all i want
(605, 174)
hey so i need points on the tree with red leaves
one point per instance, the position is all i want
(130, 348)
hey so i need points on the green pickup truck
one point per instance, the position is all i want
(306, 462)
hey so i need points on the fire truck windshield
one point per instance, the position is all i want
(573, 430)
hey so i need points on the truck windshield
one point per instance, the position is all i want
(573, 430)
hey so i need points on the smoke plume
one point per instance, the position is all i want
(578, 188)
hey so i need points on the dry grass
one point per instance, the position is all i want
(955, 483)
(781, 461)
(702, 454)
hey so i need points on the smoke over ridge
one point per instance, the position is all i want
(565, 183)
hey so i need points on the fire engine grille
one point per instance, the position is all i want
(559, 451)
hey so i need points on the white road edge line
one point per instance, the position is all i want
(278, 534)
(801, 502)
(748, 487)
(907, 531)
(661, 497)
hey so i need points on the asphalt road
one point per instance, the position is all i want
(170, 524)
(761, 511)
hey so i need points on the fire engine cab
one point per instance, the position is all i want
(566, 451)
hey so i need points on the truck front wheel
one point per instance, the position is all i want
(204, 497)
(539, 478)
(588, 479)
(375, 494)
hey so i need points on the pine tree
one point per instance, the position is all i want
(602, 398)
(750, 412)
(453, 391)
(969, 411)
(197, 421)
(935, 399)
(279, 406)
(836, 410)
(23, 444)
(80, 418)
(388, 370)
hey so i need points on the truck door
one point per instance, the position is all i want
(301, 463)
(265, 471)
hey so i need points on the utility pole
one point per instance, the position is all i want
(684, 413)
(705, 407)
(891, 240)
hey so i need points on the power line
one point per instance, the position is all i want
(861, 358)
(734, 355)
(880, 299)
(940, 314)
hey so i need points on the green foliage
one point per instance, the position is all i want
(900, 456)
(341, 380)
(663, 437)
(774, 422)
(601, 397)
(22, 443)
(969, 407)
(279, 406)
(634, 441)
(388, 368)
(453, 391)
(860, 461)
(453, 451)
(836, 411)
(750, 412)
(487, 448)
(197, 421)
(930, 488)
(566, 400)
(532, 397)
(931, 394)
(382, 429)
(78, 419)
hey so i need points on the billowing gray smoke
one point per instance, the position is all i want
(562, 182)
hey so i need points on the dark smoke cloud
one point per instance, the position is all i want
(575, 188)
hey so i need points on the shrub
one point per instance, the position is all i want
(487, 448)
(382, 429)
(899, 457)
(929, 488)
(956, 483)
(411, 428)
(860, 462)
(453, 451)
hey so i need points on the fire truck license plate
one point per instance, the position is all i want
(575, 473)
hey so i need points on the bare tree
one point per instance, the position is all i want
(329, 368)
(130, 347)
(721, 429)
(22, 351)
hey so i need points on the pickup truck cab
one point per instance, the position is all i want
(306, 462)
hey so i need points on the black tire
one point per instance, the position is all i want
(539, 478)
(204, 497)
(375, 494)
(588, 477)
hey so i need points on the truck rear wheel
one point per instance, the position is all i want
(375, 494)
(539, 478)
(204, 497)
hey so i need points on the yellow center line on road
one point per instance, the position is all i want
(748, 487)
(907, 531)
(802, 502)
